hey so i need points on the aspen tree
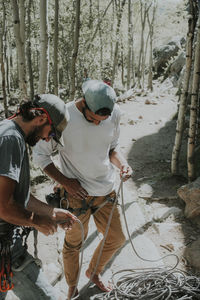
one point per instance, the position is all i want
(89, 42)
(193, 107)
(130, 43)
(184, 94)
(151, 32)
(55, 55)
(115, 60)
(44, 48)
(28, 51)
(75, 49)
(144, 8)
(19, 38)
(2, 57)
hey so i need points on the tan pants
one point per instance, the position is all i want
(115, 238)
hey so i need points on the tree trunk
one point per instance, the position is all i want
(117, 42)
(56, 33)
(111, 30)
(2, 59)
(193, 107)
(75, 50)
(151, 32)
(143, 15)
(89, 42)
(100, 39)
(28, 52)
(20, 50)
(184, 94)
(130, 43)
(44, 48)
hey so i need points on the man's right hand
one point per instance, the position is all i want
(74, 188)
(44, 224)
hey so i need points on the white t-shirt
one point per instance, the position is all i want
(85, 151)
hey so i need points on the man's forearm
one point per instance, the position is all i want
(39, 207)
(117, 159)
(15, 214)
(55, 174)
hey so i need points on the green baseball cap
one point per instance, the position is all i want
(56, 112)
(98, 95)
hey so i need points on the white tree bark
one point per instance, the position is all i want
(75, 50)
(28, 51)
(44, 48)
(193, 107)
(2, 58)
(151, 32)
(20, 50)
(117, 42)
(130, 43)
(55, 56)
(183, 97)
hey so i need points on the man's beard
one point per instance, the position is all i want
(83, 111)
(34, 136)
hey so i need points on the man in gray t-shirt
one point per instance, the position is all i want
(42, 118)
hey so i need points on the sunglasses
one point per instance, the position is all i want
(52, 132)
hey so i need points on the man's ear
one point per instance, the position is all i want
(83, 102)
(41, 119)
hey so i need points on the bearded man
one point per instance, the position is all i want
(44, 118)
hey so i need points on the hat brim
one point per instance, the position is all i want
(57, 136)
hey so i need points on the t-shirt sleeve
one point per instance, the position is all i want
(116, 119)
(11, 156)
(42, 152)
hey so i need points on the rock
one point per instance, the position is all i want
(162, 55)
(190, 194)
(147, 102)
(126, 96)
(192, 254)
(131, 122)
(174, 71)
(165, 212)
(145, 190)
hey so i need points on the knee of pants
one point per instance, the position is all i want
(118, 240)
(67, 247)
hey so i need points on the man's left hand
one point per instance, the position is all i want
(125, 172)
(64, 218)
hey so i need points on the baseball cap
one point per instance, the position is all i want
(98, 95)
(56, 110)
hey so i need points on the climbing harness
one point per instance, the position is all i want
(60, 199)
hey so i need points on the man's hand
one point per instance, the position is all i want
(44, 224)
(125, 172)
(64, 218)
(75, 190)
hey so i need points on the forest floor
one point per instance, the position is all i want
(154, 213)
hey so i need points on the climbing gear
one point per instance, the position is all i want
(6, 266)
(6, 274)
(59, 199)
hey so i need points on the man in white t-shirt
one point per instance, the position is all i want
(87, 159)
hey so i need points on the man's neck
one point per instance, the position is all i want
(26, 127)
(79, 104)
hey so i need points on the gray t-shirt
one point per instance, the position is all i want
(14, 162)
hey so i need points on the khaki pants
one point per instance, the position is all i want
(115, 238)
